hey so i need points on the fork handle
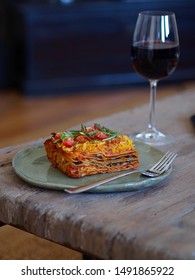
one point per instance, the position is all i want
(98, 183)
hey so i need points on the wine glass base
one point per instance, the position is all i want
(154, 138)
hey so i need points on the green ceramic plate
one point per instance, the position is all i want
(33, 167)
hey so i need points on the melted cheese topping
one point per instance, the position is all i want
(118, 145)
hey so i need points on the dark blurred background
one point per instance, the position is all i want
(53, 46)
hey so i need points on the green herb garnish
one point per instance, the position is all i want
(97, 132)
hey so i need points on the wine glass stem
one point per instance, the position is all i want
(153, 86)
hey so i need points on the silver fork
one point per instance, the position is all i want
(156, 170)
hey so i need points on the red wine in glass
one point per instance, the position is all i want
(154, 60)
(154, 54)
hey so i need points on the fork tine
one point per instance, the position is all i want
(160, 162)
(168, 163)
(165, 161)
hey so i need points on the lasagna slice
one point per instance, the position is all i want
(91, 150)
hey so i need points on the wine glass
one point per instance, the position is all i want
(155, 54)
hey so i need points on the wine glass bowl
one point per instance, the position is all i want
(154, 54)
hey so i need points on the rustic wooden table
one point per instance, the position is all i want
(155, 223)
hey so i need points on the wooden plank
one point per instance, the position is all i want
(157, 223)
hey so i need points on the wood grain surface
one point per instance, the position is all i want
(157, 223)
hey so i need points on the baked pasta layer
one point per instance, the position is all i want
(91, 150)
